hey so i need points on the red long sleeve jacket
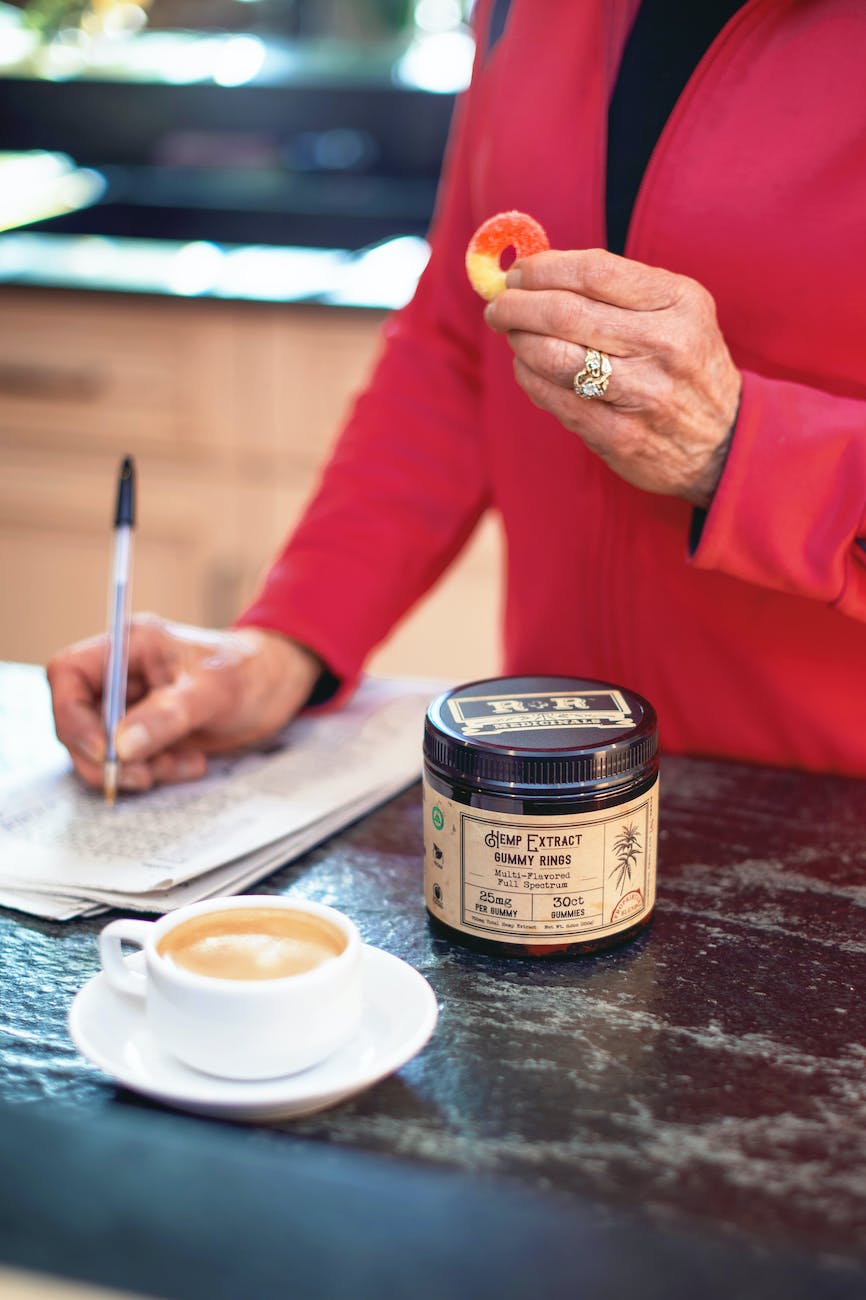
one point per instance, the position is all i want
(752, 643)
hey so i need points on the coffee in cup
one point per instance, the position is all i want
(253, 943)
(251, 987)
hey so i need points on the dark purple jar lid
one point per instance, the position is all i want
(537, 736)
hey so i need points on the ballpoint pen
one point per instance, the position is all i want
(119, 587)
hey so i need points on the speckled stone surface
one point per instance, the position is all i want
(710, 1075)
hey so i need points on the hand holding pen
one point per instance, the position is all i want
(147, 703)
(119, 592)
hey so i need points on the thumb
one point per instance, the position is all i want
(167, 715)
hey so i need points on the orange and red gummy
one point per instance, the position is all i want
(514, 230)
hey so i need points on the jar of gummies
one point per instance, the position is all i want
(540, 815)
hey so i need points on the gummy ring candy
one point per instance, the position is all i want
(506, 230)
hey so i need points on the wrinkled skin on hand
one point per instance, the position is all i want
(191, 692)
(667, 417)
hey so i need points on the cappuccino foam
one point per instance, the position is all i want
(255, 943)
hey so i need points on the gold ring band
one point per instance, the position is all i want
(593, 379)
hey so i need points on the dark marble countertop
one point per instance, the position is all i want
(704, 1083)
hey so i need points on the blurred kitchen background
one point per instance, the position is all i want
(207, 210)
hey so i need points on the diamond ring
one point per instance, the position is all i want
(593, 379)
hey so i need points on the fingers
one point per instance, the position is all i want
(175, 766)
(558, 362)
(75, 678)
(191, 692)
(165, 704)
(667, 441)
(667, 343)
(169, 768)
(594, 420)
(225, 691)
(663, 417)
(595, 299)
(565, 316)
(601, 276)
(136, 777)
(195, 701)
(618, 436)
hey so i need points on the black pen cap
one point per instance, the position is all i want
(124, 515)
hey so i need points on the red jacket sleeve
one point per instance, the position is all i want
(407, 483)
(790, 509)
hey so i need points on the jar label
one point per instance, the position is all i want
(515, 879)
(530, 712)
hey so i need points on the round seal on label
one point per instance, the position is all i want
(629, 903)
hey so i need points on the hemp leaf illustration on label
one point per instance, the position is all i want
(627, 850)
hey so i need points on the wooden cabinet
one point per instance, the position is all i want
(229, 409)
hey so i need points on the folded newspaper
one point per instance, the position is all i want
(64, 852)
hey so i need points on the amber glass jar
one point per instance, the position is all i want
(540, 815)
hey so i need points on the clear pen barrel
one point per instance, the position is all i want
(114, 686)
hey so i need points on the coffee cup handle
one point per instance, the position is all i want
(117, 970)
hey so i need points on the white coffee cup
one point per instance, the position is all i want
(250, 987)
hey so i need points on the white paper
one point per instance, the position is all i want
(53, 907)
(61, 845)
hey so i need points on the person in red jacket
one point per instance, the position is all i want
(698, 530)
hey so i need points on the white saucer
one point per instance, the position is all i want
(398, 1017)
